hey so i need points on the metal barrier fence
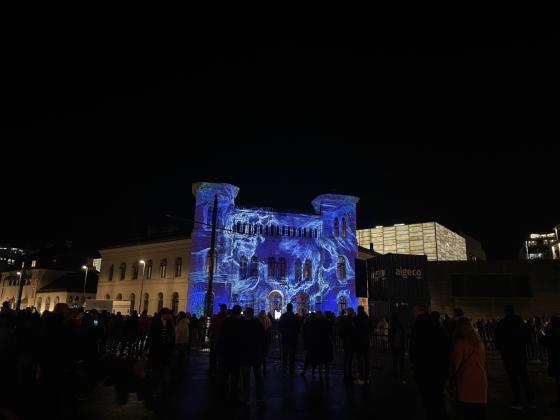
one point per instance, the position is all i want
(536, 349)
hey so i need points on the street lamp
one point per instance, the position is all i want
(84, 267)
(141, 284)
(20, 288)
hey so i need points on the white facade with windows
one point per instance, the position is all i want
(151, 275)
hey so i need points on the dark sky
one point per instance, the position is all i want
(100, 138)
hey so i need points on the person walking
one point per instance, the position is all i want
(512, 337)
(362, 345)
(266, 324)
(252, 342)
(429, 358)
(215, 334)
(348, 338)
(552, 343)
(320, 344)
(161, 341)
(182, 345)
(397, 347)
(468, 370)
(289, 328)
(230, 354)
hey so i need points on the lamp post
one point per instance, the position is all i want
(20, 288)
(141, 284)
(84, 267)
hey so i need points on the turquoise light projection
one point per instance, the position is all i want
(266, 259)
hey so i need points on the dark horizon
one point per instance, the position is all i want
(461, 137)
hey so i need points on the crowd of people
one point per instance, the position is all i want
(450, 351)
(62, 354)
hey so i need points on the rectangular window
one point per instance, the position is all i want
(163, 271)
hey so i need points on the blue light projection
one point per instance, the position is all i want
(265, 259)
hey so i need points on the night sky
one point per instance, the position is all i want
(102, 140)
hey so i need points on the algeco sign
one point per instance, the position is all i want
(409, 272)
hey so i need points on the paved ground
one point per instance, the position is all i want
(299, 397)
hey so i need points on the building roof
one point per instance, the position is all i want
(72, 282)
(148, 241)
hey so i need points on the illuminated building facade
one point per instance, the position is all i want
(431, 239)
(266, 259)
(151, 274)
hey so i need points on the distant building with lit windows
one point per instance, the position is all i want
(541, 246)
(431, 239)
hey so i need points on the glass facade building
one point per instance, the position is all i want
(431, 239)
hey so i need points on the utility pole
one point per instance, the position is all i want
(209, 301)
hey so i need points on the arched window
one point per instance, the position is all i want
(316, 233)
(266, 230)
(119, 296)
(77, 301)
(146, 302)
(132, 299)
(48, 303)
(135, 271)
(175, 303)
(304, 232)
(56, 300)
(243, 267)
(208, 259)
(283, 230)
(282, 267)
(307, 270)
(342, 303)
(298, 268)
(299, 231)
(318, 303)
(335, 229)
(238, 227)
(271, 268)
(254, 266)
(159, 301)
(163, 268)
(107, 297)
(244, 228)
(344, 227)
(341, 268)
(39, 303)
(123, 271)
(111, 270)
(69, 300)
(178, 266)
(260, 230)
(149, 266)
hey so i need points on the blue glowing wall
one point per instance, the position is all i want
(262, 264)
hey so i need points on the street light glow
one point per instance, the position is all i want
(19, 273)
(142, 262)
(84, 267)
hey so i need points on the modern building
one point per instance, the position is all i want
(266, 258)
(150, 274)
(540, 246)
(555, 245)
(430, 239)
(10, 256)
(475, 252)
(483, 288)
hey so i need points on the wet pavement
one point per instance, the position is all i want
(307, 397)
